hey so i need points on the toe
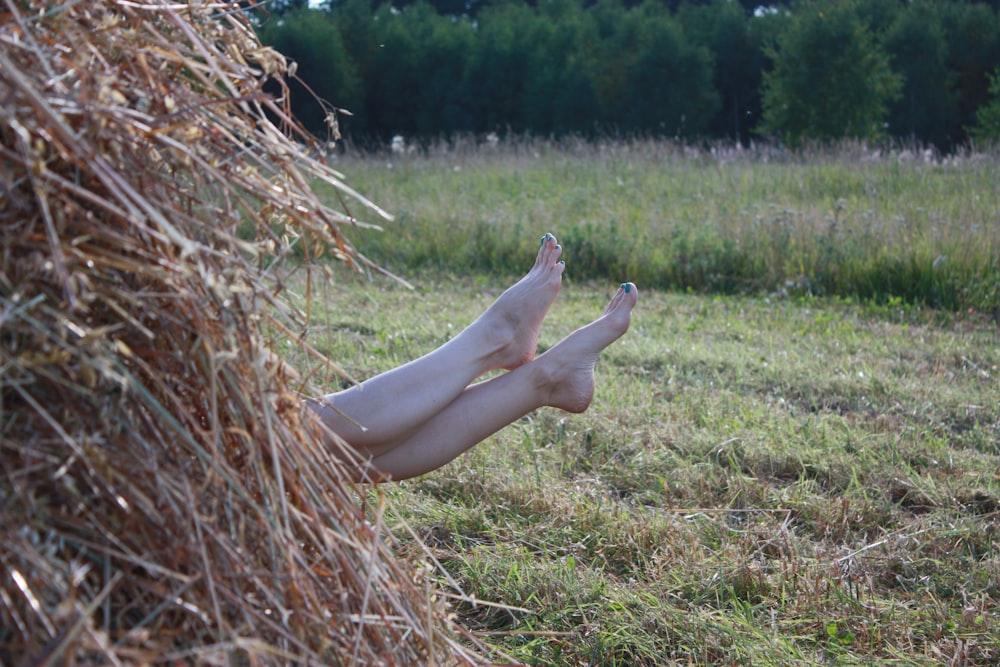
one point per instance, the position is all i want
(550, 250)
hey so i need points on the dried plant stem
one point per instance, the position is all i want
(164, 495)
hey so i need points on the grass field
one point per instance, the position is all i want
(848, 223)
(769, 477)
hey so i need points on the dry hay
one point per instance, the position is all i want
(162, 498)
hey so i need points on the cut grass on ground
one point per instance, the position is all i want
(767, 481)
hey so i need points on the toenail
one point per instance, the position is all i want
(628, 288)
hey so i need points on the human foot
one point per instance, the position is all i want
(513, 320)
(568, 367)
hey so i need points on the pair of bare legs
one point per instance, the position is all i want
(419, 416)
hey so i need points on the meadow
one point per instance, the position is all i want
(793, 457)
(876, 225)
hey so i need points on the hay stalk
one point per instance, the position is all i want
(163, 496)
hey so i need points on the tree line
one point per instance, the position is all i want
(923, 71)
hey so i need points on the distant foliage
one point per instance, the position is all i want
(716, 70)
(831, 80)
(987, 127)
(928, 104)
(735, 46)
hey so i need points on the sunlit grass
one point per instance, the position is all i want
(850, 223)
(794, 455)
(760, 480)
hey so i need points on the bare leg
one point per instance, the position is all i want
(391, 405)
(562, 377)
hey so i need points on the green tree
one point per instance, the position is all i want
(444, 90)
(737, 43)
(830, 78)
(498, 66)
(559, 93)
(439, 46)
(355, 20)
(918, 47)
(973, 33)
(987, 128)
(880, 15)
(414, 74)
(653, 80)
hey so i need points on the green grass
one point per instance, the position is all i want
(765, 478)
(759, 481)
(844, 223)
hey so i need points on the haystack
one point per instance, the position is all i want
(163, 498)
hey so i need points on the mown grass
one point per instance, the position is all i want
(759, 481)
(769, 478)
(850, 222)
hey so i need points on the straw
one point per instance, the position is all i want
(163, 496)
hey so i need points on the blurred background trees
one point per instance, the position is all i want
(709, 70)
(830, 79)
